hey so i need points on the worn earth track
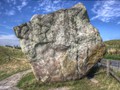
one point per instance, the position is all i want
(11, 82)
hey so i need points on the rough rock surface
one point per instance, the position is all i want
(62, 45)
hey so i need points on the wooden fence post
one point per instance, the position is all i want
(108, 67)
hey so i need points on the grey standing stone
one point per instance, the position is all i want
(62, 45)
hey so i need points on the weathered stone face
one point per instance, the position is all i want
(62, 45)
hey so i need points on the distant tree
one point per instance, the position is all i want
(17, 47)
(9, 46)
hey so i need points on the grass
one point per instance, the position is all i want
(8, 54)
(113, 44)
(11, 62)
(113, 49)
(29, 82)
(112, 57)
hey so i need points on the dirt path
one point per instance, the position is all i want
(11, 82)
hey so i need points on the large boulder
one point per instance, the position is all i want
(62, 45)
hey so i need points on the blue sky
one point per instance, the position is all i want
(103, 14)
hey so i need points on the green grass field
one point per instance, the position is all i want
(8, 54)
(29, 82)
(113, 44)
(113, 49)
(112, 57)
(11, 62)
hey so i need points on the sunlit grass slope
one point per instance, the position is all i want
(113, 49)
(11, 61)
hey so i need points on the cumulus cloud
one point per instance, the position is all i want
(106, 11)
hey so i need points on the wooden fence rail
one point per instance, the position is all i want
(111, 68)
(115, 76)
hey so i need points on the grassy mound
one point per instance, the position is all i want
(11, 61)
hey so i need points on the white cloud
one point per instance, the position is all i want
(8, 40)
(10, 12)
(106, 11)
(53, 5)
(47, 6)
(5, 26)
(4, 42)
(8, 7)
(11, 1)
(118, 23)
(10, 37)
(23, 4)
(56, 1)
(51, 8)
